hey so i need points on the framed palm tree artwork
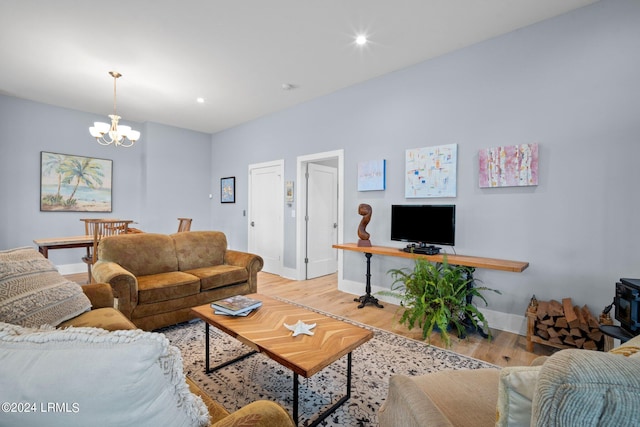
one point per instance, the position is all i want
(75, 183)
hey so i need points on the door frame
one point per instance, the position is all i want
(301, 166)
(279, 197)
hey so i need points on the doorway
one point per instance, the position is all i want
(266, 214)
(320, 206)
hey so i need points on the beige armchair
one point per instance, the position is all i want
(570, 388)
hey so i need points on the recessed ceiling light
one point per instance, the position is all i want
(361, 40)
(289, 86)
(200, 100)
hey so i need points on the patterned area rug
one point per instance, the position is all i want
(258, 377)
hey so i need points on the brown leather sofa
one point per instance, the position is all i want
(157, 278)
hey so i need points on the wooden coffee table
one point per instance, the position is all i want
(305, 355)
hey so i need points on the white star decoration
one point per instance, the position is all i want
(300, 328)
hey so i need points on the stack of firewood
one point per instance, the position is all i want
(566, 325)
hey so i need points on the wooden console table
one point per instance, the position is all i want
(466, 260)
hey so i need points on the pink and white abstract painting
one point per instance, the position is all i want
(509, 166)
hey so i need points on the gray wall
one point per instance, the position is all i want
(164, 176)
(570, 83)
(177, 180)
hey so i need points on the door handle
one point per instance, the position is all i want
(253, 224)
(335, 225)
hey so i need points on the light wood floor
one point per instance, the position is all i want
(505, 349)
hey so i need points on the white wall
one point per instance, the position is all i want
(569, 83)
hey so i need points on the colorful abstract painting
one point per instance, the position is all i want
(431, 171)
(509, 166)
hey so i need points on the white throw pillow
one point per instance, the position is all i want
(515, 393)
(89, 376)
(33, 293)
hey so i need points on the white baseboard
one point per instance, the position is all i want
(290, 273)
(507, 322)
(497, 320)
(72, 268)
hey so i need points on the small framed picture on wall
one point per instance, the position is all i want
(228, 189)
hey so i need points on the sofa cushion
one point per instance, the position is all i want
(587, 388)
(197, 249)
(515, 394)
(166, 286)
(142, 254)
(407, 406)
(220, 275)
(450, 390)
(105, 318)
(33, 293)
(96, 377)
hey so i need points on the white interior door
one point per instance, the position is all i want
(322, 220)
(266, 209)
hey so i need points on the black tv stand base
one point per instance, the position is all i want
(368, 299)
(470, 329)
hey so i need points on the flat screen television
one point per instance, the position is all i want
(424, 224)
(627, 302)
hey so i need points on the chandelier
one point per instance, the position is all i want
(107, 134)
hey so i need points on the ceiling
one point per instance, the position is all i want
(236, 54)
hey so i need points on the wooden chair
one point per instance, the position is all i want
(184, 225)
(99, 228)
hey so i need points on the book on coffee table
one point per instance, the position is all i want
(236, 305)
(222, 313)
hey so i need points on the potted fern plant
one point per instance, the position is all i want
(438, 296)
